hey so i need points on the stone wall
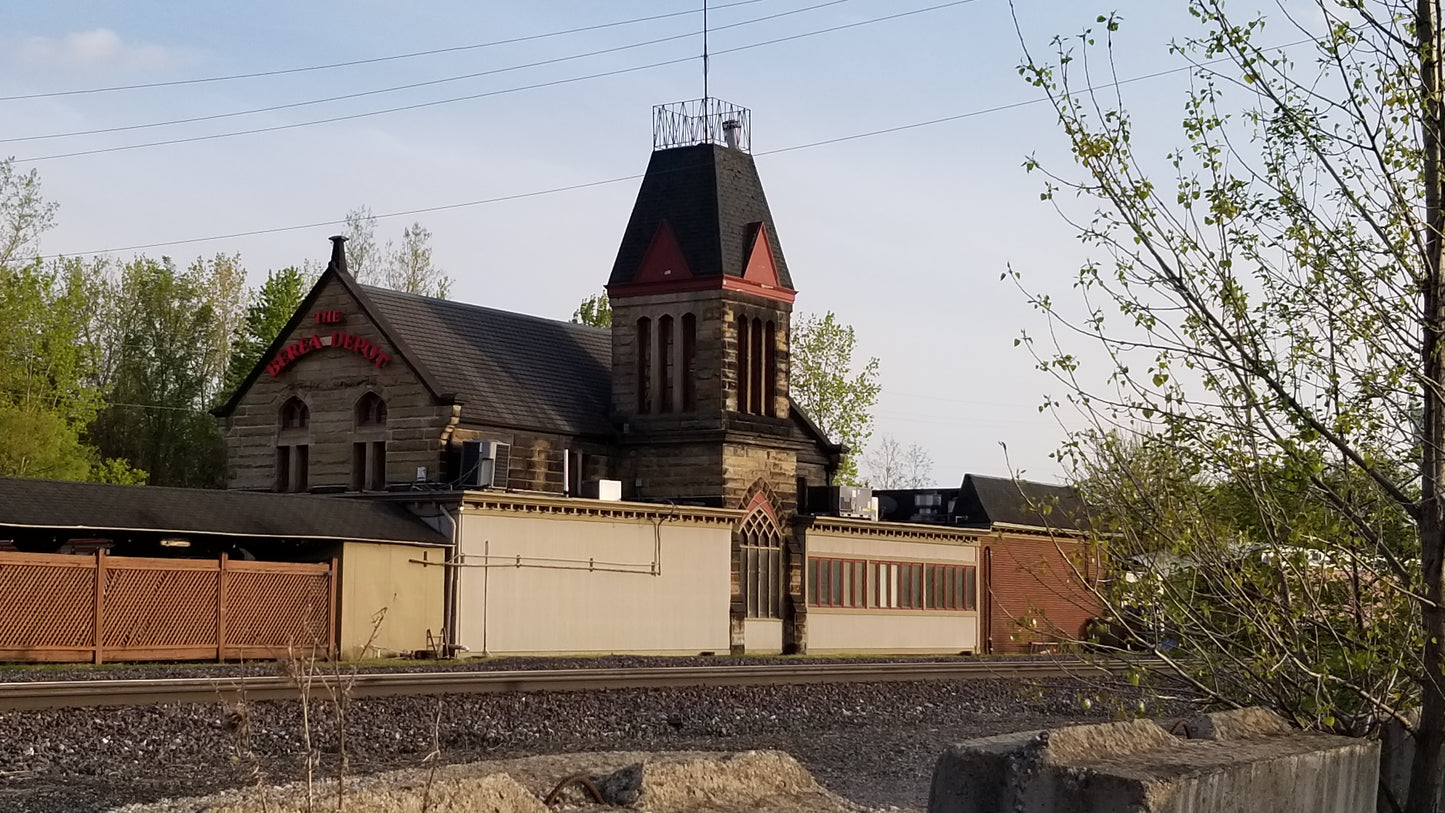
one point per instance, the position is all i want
(1232, 762)
(330, 381)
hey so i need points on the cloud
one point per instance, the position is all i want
(98, 47)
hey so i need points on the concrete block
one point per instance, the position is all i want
(1245, 761)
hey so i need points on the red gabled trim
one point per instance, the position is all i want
(761, 269)
(664, 260)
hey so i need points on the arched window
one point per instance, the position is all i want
(743, 357)
(644, 365)
(295, 414)
(689, 362)
(760, 564)
(755, 366)
(770, 370)
(370, 410)
(293, 451)
(667, 374)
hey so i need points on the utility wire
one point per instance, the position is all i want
(620, 179)
(370, 61)
(474, 96)
(624, 178)
(412, 86)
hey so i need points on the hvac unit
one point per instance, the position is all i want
(842, 501)
(610, 490)
(484, 464)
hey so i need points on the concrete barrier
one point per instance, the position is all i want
(1234, 762)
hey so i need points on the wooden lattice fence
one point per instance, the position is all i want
(99, 608)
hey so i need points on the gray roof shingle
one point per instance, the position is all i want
(985, 501)
(100, 506)
(508, 369)
(712, 197)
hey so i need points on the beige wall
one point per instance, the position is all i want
(376, 576)
(554, 603)
(764, 636)
(833, 629)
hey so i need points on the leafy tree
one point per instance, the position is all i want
(364, 258)
(272, 306)
(1269, 296)
(823, 382)
(225, 292)
(891, 465)
(24, 215)
(595, 310)
(161, 385)
(39, 443)
(406, 268)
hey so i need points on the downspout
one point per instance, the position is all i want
(451, 612)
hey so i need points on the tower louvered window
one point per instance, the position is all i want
(744, 332)
(689, 362)
(644, 365)
(667, 373)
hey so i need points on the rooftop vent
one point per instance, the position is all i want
(701, 121)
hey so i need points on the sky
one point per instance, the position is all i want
(526, 169)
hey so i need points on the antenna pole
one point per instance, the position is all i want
(704, 49)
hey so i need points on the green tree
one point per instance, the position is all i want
(24, 215)
(830, 387)
(161, 380)
(48, 389)
(271, 307)
(1269, 297)
(595, 310)
(408, 267)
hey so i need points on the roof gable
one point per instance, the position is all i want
(711, 196)
(988, 501)
(277, 351)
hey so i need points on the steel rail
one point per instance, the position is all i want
(323, 681)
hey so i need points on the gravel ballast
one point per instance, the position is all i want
(872, 743)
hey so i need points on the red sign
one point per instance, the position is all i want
(328, 317)
(338, 340)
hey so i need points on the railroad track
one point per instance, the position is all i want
(70, 694)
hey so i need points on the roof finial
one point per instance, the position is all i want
(338, 254)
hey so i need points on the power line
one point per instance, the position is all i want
(370, 61)
(411, 86)
(503, 91)
(623, 178)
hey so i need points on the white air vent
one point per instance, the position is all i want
(484, 464)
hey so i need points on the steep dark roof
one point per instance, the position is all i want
(710, 195)
(987, 501)
(99, 506)
(506, 368)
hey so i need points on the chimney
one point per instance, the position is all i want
(731, 127)
(338, 254)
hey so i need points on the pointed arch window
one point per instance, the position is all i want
(760, 565)
(295, 414)
(370, 411)
(368, 447)
(293, 447)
